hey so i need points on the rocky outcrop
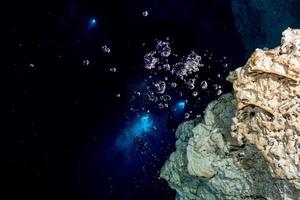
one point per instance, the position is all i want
(247, 145)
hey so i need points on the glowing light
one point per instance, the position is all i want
(92, 23)
(180, 105)
(139, 128)
(143, 125)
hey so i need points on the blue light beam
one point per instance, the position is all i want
(92, 23)
(180, 105)
(141, 127)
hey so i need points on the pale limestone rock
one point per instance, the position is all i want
(267, 94)
(208, 164)
(248, 145)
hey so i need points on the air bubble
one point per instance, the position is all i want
(186, 115)
(215, 86)
(160, 87)
(145, 13)
(31, 65)
(192, 63)
(203, 85)
(191, 83)
(166, 67)
(173, 85)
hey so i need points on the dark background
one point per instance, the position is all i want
(61, 118)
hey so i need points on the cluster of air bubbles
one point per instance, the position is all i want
(170, 77)
(192, 63)
(105, 49)
(163, 49)
(150, 60)
(189, 66)
(165, 98)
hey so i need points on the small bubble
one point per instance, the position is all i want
(145, 13)
(173, 85)
(160, 106)
(215, 86)
(112, 69)
(118, 95)
(86, 62)
(31, 65)
(105, 49)
(203, 85)
(219, 92)
(191, 83)
(186, 115)
(195, 93)
(160, 87)
(166, 67)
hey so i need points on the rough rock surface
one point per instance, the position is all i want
(247, 145)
